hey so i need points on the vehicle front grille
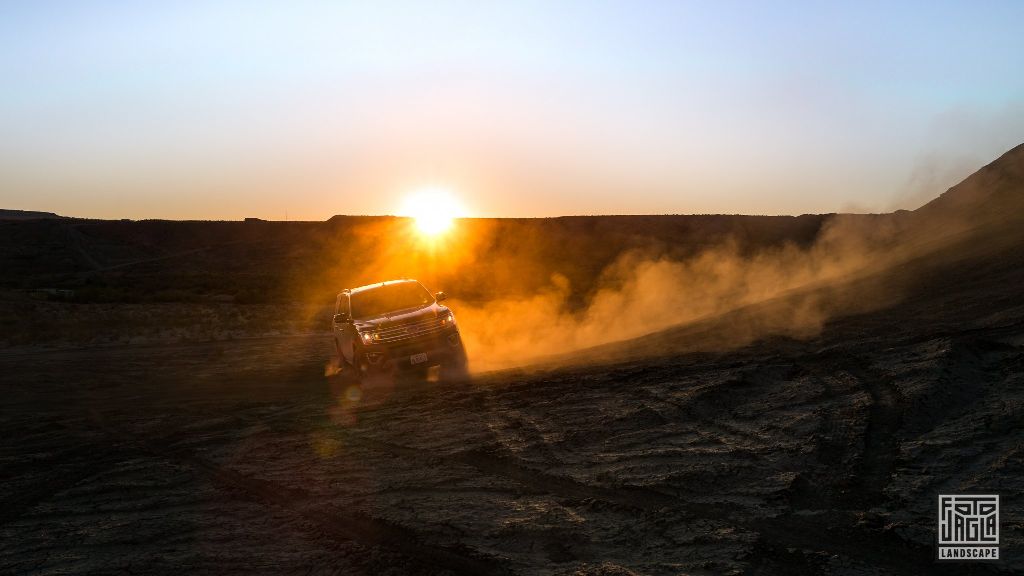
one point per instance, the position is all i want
(405, 332)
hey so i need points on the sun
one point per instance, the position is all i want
(434, 210)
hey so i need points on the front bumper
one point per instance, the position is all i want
(416, 353)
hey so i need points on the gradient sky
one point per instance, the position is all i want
(221, 110)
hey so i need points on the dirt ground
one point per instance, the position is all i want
(822, 455)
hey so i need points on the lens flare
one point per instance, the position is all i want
(433, 209)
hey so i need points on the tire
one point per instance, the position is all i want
(456, 368)
(344, 366)
(360, 368)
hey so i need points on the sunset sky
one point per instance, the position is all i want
(222, 110)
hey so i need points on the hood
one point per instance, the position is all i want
(400, 317)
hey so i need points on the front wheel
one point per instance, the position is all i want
(363, 371)
(456, 367)
(344, 366)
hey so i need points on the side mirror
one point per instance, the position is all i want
(440, 296)
(341, 318)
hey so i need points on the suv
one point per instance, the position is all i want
(396, 325)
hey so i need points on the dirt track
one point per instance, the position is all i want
(783, 457)
(815, 456)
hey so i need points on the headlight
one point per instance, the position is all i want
(369, 337)
(447, 318)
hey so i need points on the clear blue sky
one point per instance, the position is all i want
(233, 109)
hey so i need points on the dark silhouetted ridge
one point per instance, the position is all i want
(995, 192)
(26, 215)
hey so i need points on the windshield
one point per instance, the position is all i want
(389, 298)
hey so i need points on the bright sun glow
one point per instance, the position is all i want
(435, 210)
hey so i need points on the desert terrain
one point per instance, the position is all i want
(170, 404)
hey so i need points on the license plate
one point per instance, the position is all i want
(418, 358)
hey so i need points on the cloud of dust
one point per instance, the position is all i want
(644, 291)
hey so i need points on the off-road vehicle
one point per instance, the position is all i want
(396, 325)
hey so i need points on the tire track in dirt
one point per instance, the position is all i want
(888, 414)
(878, 460)
(335, 524)
(814, 488)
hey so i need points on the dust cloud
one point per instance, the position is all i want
(644, 291)
(854, 263)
